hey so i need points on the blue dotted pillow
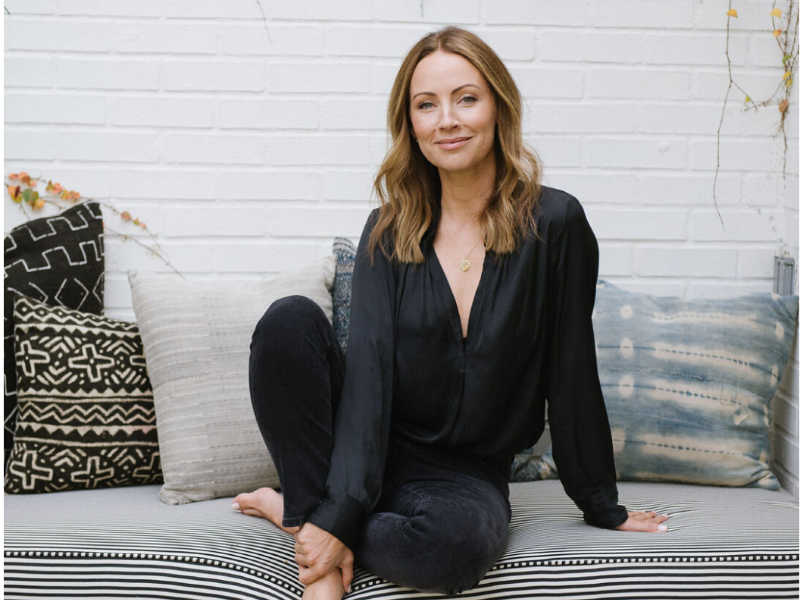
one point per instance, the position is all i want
(687, 386)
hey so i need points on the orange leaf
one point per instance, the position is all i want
(125, 216)
(776, 12)
(13, 191)
(783, 105)
(732, 13)
(777, 32)
(38, 204)
(13, 176)
(53, 188)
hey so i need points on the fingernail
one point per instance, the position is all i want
(348, 589)
(662, 527)
(235, 506)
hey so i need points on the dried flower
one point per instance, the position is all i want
(53, 188)
(13, 191)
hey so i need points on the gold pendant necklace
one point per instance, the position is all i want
(465, 263)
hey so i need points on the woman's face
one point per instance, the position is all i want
(450, 100)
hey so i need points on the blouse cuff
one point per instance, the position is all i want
(609, 519)
(342, 518)
(603, 510)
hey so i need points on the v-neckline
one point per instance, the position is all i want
(455, 315)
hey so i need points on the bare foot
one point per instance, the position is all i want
(329, 587)
(265, 503)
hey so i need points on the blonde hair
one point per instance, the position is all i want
(408, 185)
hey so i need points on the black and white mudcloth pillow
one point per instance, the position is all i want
(86, 415)
(59, 260)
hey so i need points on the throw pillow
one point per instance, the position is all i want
(58, 260)
(86, 415)
(196, 337)
(345, 252)
(687, 386)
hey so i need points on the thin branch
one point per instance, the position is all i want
(143, 245)
(788, 60)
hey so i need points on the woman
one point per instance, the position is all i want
(473, 290)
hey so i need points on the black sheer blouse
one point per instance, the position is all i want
(413, 381)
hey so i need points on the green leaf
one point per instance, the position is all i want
(29, 195)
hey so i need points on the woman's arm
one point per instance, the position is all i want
(361, 427)
(579, 426)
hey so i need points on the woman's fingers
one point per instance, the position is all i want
(301, 556)
(646, 515)
(644, 521)
(302, 560)
(308, 575)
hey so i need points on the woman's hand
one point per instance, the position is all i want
(318, 552)
(643, 521)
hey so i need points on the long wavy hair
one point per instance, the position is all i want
(408, 185)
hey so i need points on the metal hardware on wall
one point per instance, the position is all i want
(783, 276)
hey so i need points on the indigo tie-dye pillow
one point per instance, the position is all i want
(687, 386)
(345, 252)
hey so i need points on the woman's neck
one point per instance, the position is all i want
(465, 195)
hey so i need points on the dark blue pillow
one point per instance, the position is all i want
(345, 252)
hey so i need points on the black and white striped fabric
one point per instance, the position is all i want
(124, 543)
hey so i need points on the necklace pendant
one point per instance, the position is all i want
(465, 265)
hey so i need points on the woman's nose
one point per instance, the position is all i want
(447, 117)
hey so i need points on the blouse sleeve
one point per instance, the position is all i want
(361, 425)
(579, 427)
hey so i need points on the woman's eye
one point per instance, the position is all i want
(469, 99)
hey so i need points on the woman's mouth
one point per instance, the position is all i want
(454, 143)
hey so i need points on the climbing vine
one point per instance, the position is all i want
(784, 30)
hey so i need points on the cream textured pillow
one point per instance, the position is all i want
(196, 338)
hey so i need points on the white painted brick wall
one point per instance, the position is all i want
(246, 133)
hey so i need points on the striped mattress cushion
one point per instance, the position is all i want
(123, 543)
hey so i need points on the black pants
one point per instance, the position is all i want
(433, 529)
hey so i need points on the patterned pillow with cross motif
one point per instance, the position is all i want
(58, 259)
(86, 416)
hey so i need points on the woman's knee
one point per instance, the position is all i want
(463, 560)
(285, 321)
(446, 544)
(454, 563)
